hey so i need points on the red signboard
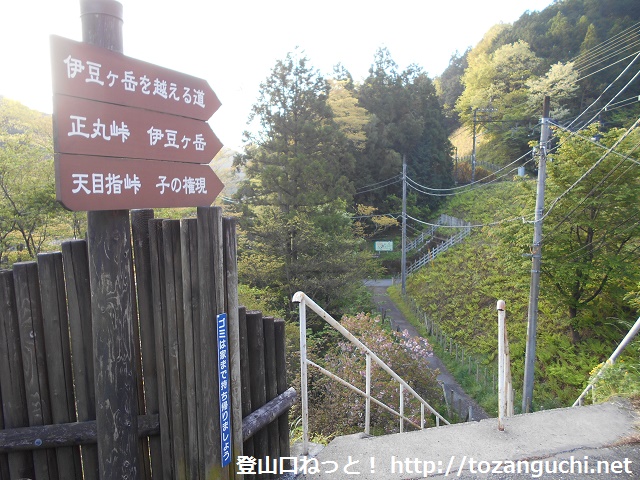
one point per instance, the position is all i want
(99, 183)
(95, 128)
(86, 71)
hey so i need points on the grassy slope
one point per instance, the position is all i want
(461, 287)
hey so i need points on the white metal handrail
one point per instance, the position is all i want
(444, 246)
(305, 301)
(612, 359)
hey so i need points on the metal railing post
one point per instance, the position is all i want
(367, 417)
(303, 377)
(401, 408)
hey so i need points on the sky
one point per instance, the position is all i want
(235, 44)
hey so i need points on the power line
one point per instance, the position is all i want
(595, 51)
(396, 179)
(476, 225)
(588, 172)
(381, 181)
(607, 88)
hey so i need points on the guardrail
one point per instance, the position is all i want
(305, 302)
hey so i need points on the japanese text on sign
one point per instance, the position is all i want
(129, 81)
(223, 378)
(112, 184)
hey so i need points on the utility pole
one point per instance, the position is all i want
(403, 266)
(473, 153)
(536, 251)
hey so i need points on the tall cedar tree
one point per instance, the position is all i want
(406, 120)
(298, 165)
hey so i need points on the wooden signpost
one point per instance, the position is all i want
(129, 134)
(117, 121)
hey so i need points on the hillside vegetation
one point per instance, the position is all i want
(461, 287)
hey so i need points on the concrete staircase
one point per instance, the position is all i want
(583, 441)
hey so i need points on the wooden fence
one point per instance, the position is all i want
(185, 273)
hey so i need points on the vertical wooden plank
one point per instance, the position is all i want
(4, 458)
(58, 356)
(209, 229)
(246, 374)
(175, 344)
(76, 271)
(142, 261)
(109, 243)
(271, 382)
(231, 289)
(29, 310)
(14, 402)
(144, 462)
(281, 381)
(255, 334)
(191, 301)
(159, 313)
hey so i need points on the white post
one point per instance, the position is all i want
(303, 377)
(367, 415)
(502, 394)
(422, 415)
(401, 408)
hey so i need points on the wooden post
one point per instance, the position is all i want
(191, 302)
(142, 256)
(14, 402)
(156, 247)
(271, 382)
(246, 379)
(211, 283)
(255, 335)
(111, 297)
(281, 376)
(29, 311)
(174, 345)
(76, 271)
(232, 309)
(58, 354)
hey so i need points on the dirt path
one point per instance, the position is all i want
(462, 401)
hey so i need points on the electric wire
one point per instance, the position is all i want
(478, 225)
(588, 195)
(601, 243)
(381, 181)
(606, 89)
(610, 56)
(606, 45)
(608, 66)
(413, 185)
(588, 172)
(592, 141)
(378, 187)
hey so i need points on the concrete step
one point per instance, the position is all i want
(579, 437)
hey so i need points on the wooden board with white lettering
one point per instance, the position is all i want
(95, 128)
(86, 71)
(101, 183)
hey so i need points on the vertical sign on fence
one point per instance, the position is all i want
(223, 381)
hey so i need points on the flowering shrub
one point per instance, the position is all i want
(619, 379)
(335, 409)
